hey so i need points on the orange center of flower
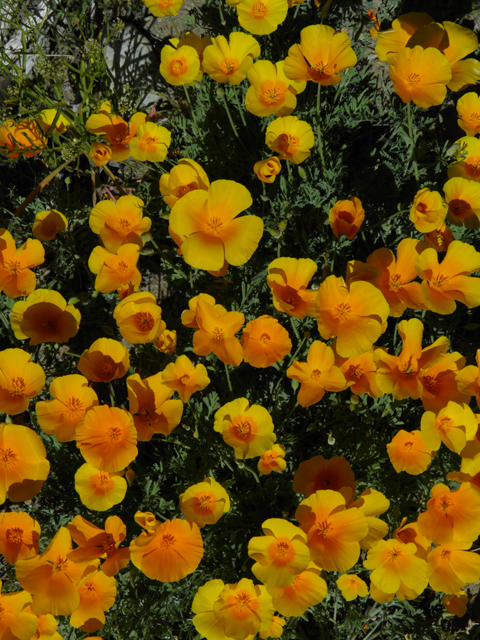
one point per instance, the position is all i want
(445, 555)
(431, 384)
(316, 373)
(265, 339)
(229, 66)
(287, 144)
(178, 66)
(342, 311)
(109, 368)
(114, 435)
(259, 10)
(73, 407)
(324, 528)
(355, 371)
(242, 429)
(395, 282)
(14, 535)
(8, 458)
(122, 266)
(394, 554)
(439, 281)
(168, 541)
(445, 424)
(102, 478)
(273, 93)
(108, 546)
(218, 333)
(185, 378)
(145, 321)
(124, 224)
(413, 79)
(205, 502)
(215, 225)
(60, 564)
(243, 605)
(89, 589)
(13, 266)
(408, 446)
(410, 367)
(186, 188)
(17, 387)
(282, 548)
(460, 208)
(445, 503)
(475, 117)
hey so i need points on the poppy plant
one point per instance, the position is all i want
(451, 566)
(23, 138)
(100, 153)
(105, 360)
(48, 223)
(291, 138)
(288, 279)
(162, 8)
(189, 316)
(371, 503)
(138, 317)
(317, 375)
(307, 590)
(444, 283)
(204, 502)
(20, 380)
(170, 553)
(17, 621)
(280, 555)
(119, 222)
(214, 234)
(468, 379)
(19, 536)
(440, 384)
(187, 176)
(216, 333)
(72, 399)
(198, 43)
(265, 342)
(463, 200)
(248, 429)
(408, 532)
(99, 490)
(205, 621)
(47, 117)
(428, 210)
(150, 143)
(439, 239)
(165, 340)
(115, 130)
(179, 66)
(468, 110)
(346, 217)
(230, 60)
(107, 438)
(360, 372)
(321, 55)
(97, 593)
(271, 92)
(16, 275)
(409, 452)
(185, 378)
(115, 268)
(272, 460)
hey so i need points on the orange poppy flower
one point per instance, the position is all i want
(105, 360)
(453, 425)
(23, 138)
(371, 503)
(138, 317)
(352, 586)
(189, 316)
(356, 315)
(100, 152)
(266, 170)
(17, 621)
(179, 66)
(317, 375)
(97, 593)
(265, 342)
(199, 44)
(440, 383)
(187, 176)
(204, 502)
(456, 604)
(152, 407)
(275, 630)
(44, 316)
(99, 490)
(317, 473)
(229, 61)
(272, 460)
(20, 380)
(25, 467)
(439, 239)
(51, 578)
(19, 536)
(428, 210)
(107, 438)
(248, 429)
(214, 234)
(16, 277)
(165, 340)
(468, 379)
(468, 110)
(244, 609)
(151, 142)
(205, 621)
(261, 17)
(446, 282)
(392, 563)
(451, 515)
(48, 223)
(280, 555)
(399, 375)
(288, 279)
(46, 118)
(321, 55)
(185, 378)
(72, 399)
(395, 280)
(119, 222)
(360, 372)
(216, 333)
(115, 269)
(271, 92)
(409, 533)
(115, 130)
(421, 75)
(100, 543)
(346, 217)
(409, 452)
(291, 138)
(47, 627)
(469, 470)
(451, 567)
(333, 531)
(170, 553)
(162, 8)
(468, 163)
(307, 590)
(463, 199)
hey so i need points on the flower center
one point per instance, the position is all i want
(343, 311)
(395, 282)
(8, 458)
(316, 373)
(259, 10)
(282, 548)
(114, 433)
(439, 281)
(218, 333)
(204, 502)
(178, 66)
(460, 208)
(408, 446)
(17, 387)
(109, 368)
(215, 225)
(475, 116)
(242, 429)
(445, 503)
(410, 367)
(273, 93)
(355, 371)
(430, 383)
(122, 266)
(14, 267)
(124, 224)
(413, 79)
(168, 541)
(73, 407)
(15, 535)
(145, 321)
(446, 553)
(394, 554)
(265, 339)
(103, 478)
(242, 600)
(90, 589)
(287, 144)
(186, 188)
(60, 564)
(185, 378)
(229, 66)
(445, 424)
(323, 529)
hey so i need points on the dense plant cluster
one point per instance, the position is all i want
(239, 373)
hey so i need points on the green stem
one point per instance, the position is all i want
(228, 378)
(115, 181)
(319, 129)
(191, 110)
(175, 27)
(414, 151)
(294, 327)
(112, 394)
(290, 177)
(377, 224)
(296, 11)
(239, 107)
(252, 472)
(232, 124)
(288, 415)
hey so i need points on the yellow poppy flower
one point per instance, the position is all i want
(291, 138)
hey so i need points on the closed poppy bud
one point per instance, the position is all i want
(267, 169)
(48, 223)
(346, 217)
(272, 460)
(100, 153)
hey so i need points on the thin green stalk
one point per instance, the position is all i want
(232, 124)
(296, 11)
(414, 151)
(228, 378)
(290, 177)
(191, 110)
(252, 472)
(174, 27)
(114, 178)
(112, 394)
(378, 224)
(294, 327)
(289, 414)
(239, 106)
(319, 130)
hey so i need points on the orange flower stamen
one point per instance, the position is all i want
(15, 535)
(259, 10)
(17, 387)
(8, 458)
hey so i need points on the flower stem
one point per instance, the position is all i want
(175, 27)
(232, 124)
(377, 224)
(294, 327)
(414, 151)
(191, 110)
(228, 377)
(114, 178)
(112, 394)
(319, 129)
(290, 177)
(239, 106)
